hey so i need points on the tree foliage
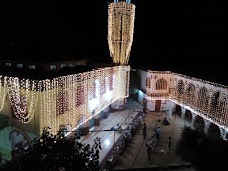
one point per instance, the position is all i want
(203, 151)
(0, 157)
(54, 153)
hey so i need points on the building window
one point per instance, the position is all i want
(94, 90)
(32, 66)
(111, 82)
(8, 64)
(80, 96)
(148, 84)
(103, 86)
(161, 84)
(63, 65)
(52, 66)
(19, 65)
(62, 103)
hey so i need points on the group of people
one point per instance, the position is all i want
(155, 138)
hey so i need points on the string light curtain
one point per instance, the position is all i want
(66, 100)
(121, 16)
(74, 99)
(85, 95)
(23, 97)
(206, 99)
(3, 90)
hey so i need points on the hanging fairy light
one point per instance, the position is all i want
(3, 83)
(121, 17)
(67, 100)
(23, 97)
(79, 97)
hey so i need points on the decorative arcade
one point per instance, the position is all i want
(193, 98)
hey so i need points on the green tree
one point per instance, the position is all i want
(0, 157)
(53, 153)
(203, 151)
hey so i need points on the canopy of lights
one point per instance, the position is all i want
(121, 17)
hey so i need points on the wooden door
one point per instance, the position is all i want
(157, 105)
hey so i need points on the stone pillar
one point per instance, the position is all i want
(193, 119)
(84, 129)
(223, 133)
(173, 107)
(120, 103)
(106, 112)
(183, 110)
(97, 119)
(206, 125)
(125, 100)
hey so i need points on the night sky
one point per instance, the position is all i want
(182, 36)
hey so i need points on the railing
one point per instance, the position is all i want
(120, 144)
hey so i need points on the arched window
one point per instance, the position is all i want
(203, 99)
(93, 93)
(191, 94)
(111, 82)
(161, 84)
(80, 99)
(103, 86)
(148, 83)
(62, 104)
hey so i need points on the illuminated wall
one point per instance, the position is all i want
(204, 98)
(67, 100)
(73, 99)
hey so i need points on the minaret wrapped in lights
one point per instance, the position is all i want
(121, 17)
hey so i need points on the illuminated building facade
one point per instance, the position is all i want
(203, 103)
(73, 100)
(70, 101)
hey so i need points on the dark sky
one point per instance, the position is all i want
(182, 36)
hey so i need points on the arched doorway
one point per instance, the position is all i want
(178, 110)
(19, 141)
(199, 123)
(214, 130)
(188, 116)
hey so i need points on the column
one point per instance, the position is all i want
(183, 110)
(223, 133)
(97, 119)
(206, 125)
(84, 129)
(193, 119)
(106, 112)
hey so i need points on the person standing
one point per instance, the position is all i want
(144, 130)
(158, 132)
(149, 151)
(169, 144)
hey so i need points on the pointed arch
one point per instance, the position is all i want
(161, 84)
